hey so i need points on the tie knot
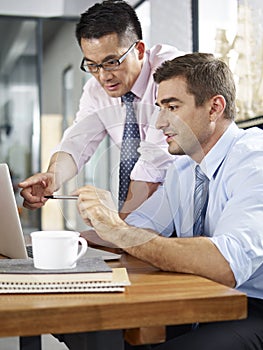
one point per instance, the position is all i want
(200, 176)
(129, 97)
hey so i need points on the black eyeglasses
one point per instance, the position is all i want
(108, 65)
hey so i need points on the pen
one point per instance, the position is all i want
(56, 196)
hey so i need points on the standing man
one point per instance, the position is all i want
(110, 37)
(212, 197)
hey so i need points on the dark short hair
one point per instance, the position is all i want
(205, 75)
(108, 17)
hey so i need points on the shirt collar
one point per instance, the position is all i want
(218, 153)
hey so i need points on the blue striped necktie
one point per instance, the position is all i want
(200, 201)
(130, 143)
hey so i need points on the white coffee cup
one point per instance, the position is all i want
(57, 249)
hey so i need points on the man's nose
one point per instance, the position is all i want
(161, 121)
(105, 74)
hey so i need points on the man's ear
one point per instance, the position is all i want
(218, 104)
(140, 47)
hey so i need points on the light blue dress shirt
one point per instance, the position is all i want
(234, 217)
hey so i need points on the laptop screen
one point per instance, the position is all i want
(12, 242)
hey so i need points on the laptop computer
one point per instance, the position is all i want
(12, 242)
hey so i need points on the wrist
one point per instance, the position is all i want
(54, 179)
(112, 230)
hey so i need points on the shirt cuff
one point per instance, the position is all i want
(238, 260)
(142, 171)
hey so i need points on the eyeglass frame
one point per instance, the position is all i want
(101, 65)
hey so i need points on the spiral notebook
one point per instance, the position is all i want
(62, 283)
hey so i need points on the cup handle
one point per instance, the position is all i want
(84, 247)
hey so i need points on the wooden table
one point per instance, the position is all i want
(154, 299)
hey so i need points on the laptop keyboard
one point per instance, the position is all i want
(91, 253)
(29, 251)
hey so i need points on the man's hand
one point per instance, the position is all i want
(61, 168)
(96, 206)
(98, 210)
(35, 188)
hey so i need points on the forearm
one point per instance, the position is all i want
(63, 166)
(138, 192)
(197, 255)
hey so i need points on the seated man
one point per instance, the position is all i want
(212, 198)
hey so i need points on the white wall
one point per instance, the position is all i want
(171, 23)
(47, 8)
(61, 52)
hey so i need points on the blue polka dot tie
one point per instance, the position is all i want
(200, 201)
(130, 143)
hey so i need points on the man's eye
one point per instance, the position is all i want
(110, 63)
(90, 65)
(172, 108)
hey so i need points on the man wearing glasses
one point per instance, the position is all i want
(110, 37)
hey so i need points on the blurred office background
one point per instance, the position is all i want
(41, 83)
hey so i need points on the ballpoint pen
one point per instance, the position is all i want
(56, 196)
